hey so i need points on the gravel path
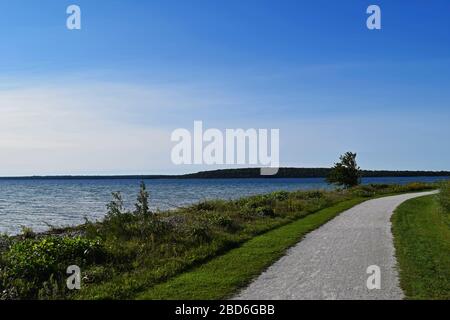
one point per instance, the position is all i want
(331, 262)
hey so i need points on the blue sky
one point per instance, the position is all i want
(104, 99)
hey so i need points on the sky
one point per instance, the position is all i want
(105, 99)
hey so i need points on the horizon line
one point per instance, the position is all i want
(188, 174)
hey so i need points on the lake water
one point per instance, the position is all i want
(33, 203)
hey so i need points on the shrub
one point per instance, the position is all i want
(28, 233)
(96, 273)
(126, 225)
(444, 196)
(146, 228)
(259, 201)
(115, 207)
(51, 290)
(32, 259)
(280, 195)
(116, 226)
(220, 220)
(142, 206)
(210, 205)
(5, 243)
(199, 233)
(363, 191)
(265, 211)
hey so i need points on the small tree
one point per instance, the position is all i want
(346, 172)
(142, 206)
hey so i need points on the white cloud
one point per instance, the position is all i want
(77, 129)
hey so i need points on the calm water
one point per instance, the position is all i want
(33, 203)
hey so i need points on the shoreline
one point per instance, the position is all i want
(69, 210)
(148, 248)
(240, 173)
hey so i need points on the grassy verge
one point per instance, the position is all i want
(223, 276)
(421, 229)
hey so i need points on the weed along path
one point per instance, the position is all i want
(340, 260)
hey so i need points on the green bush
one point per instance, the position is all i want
(265, 211)
(28, 233)
(129, 225)
(220, 220)
(39, 259)
(204, 206)
(280, 195)
(209, 205)
(363, 192)
(200, 233)
(259, 201)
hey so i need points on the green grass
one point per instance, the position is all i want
(421, 229)
(224, 275)
(444, 195)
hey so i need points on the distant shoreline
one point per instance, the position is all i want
(248, 173)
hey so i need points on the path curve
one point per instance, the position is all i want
(331, 262)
